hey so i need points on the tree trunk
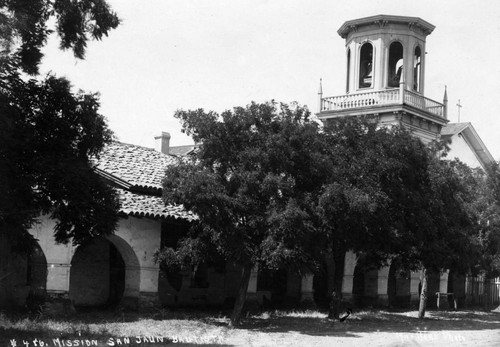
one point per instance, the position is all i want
(242, 294)
(423, 295)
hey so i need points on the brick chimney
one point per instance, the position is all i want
(162, 142)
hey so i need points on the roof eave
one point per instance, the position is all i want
(480, 150)
(344, 30)
(116, 180)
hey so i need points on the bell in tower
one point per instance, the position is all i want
(385, 75)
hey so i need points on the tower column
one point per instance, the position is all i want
(320, 96)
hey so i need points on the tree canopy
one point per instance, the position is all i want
(47, 138)
(273, 188)
(48, 133)
(379, 181)
(481, 206)
(24, 27)
(251, 185)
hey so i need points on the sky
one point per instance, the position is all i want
(184, 54)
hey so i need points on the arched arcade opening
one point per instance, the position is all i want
(273, 285)
(364, 289)
(36, 277)
(105, 272)
(23, 277)
(398, 285)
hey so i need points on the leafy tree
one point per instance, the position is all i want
(251, 184)
(391, 196)
(47, 137)
(489, 221)
(450, 240)
(48, 134)
(375, 196)
(466, 219)
(24, 27)
(263, 195)
(483, 208)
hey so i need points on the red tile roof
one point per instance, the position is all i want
(137, 170)
(141, 205)
(139, 166)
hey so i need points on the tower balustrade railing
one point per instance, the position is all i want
(381, 98)
(421, 102)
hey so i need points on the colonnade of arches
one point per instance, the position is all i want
(391, 285)
(104, 272)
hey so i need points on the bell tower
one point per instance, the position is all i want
(385, 75)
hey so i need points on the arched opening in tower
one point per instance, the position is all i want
(366, 66)
(395, 67)
(97, 277)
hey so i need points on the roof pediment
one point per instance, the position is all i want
(471, 137)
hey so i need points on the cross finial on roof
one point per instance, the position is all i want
(459, 107)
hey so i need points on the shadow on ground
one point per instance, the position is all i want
(375, 321)
(312, 323)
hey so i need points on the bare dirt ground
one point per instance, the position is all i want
(276, 328)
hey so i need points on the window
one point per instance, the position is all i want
(417, 66)
(395, 67)
(366, 66)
